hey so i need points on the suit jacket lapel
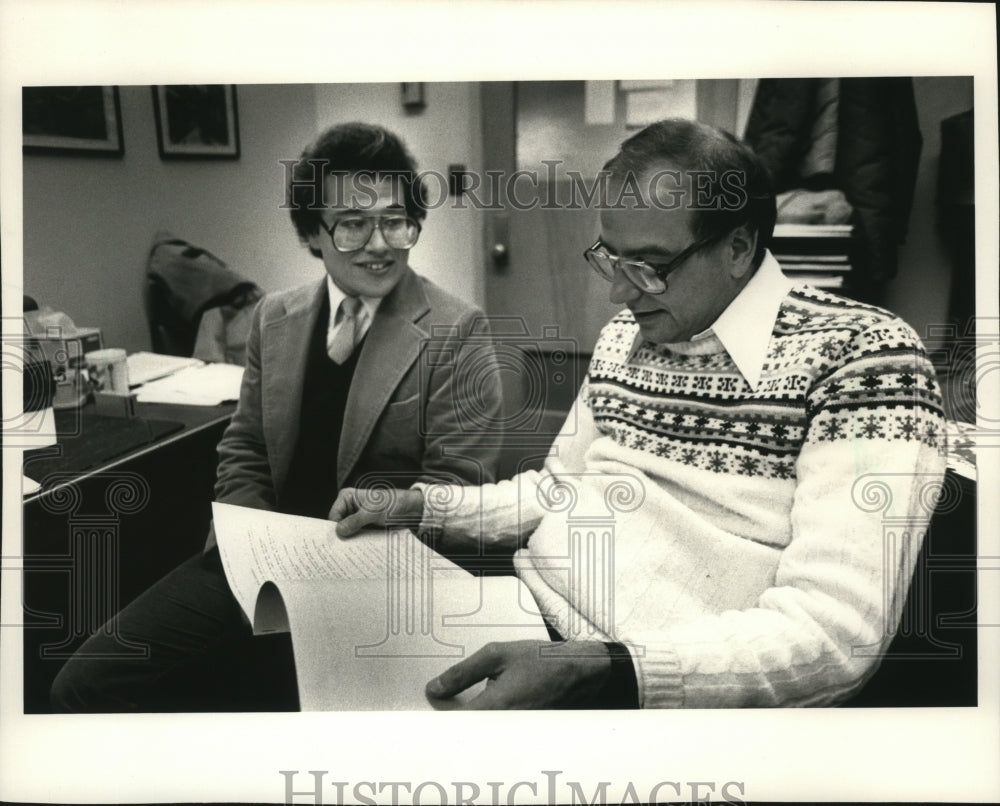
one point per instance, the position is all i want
(285, 349)
(392, 345)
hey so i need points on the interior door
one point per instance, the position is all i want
(561, 133)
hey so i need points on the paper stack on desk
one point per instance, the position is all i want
(203, 385)
(373, 617)
(144, 367)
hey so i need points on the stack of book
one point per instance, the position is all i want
(818, 254)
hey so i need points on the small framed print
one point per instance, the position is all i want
(71, 120)
(196, 121)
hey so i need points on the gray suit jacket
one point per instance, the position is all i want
(424, 404)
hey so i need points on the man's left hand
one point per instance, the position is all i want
(529, 674)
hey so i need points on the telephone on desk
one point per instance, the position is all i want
(52, 336)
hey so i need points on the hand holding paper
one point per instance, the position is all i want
(372, 618)
(357, 509)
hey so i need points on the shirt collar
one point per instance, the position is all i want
(746, 325)
(337, 296)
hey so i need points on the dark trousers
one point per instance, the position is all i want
(201, 655)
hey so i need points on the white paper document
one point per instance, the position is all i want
(205, 385)
(145, 366)
(813, 230)
(373, 617)
(598, 102)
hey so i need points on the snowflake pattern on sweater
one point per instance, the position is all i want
(835, 370)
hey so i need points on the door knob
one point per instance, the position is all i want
(499, 252)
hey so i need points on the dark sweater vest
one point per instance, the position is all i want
(311, 486)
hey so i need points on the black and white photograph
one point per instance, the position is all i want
(197, 121)
(72, 120)
(651, 401)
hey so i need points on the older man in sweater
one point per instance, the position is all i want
(749, 435)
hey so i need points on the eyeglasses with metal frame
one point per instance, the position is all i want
(647, 277)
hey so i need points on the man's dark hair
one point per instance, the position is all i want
(350, 148)
(736, 181)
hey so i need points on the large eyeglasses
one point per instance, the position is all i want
(647, 277)
(352, 232)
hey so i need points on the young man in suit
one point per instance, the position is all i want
(366, 377)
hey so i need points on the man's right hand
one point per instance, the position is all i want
(356, 509)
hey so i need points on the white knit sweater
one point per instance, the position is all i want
(751, 543)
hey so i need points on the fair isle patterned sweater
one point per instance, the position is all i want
(750, 546)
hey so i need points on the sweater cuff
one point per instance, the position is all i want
(658, 669)
(428, 522)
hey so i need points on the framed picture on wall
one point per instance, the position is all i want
(196, 121)
(71, 120)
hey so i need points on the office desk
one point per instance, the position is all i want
(94, 539)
